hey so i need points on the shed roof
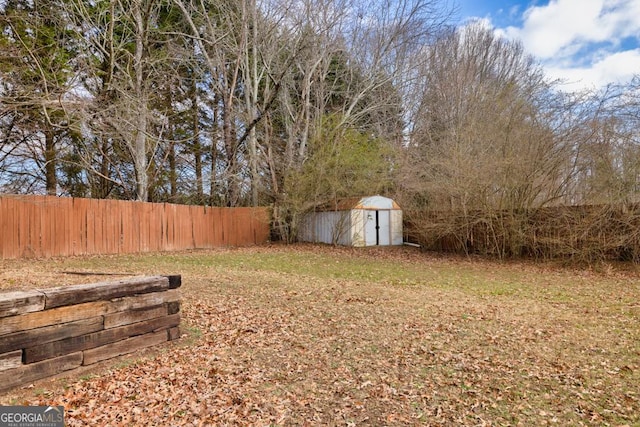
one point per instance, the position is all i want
(365, 203)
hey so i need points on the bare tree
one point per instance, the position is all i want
(490, 138)
(610, 156)
(36, 77)
(120, 64)
(354, 65)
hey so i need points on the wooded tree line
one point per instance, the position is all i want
(294, 104)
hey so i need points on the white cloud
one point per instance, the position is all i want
(514, 12)
(548, 29)
(580, 40)
(618, 67)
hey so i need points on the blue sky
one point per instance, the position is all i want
(585, 43)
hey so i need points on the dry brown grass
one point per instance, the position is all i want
(315, 335)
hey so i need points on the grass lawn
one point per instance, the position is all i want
(316, 335)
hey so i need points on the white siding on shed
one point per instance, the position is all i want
(327, 227)
(357, 231)
(397, 237)
(368, 221)
(377, 202)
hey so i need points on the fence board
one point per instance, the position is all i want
(94, 227)
(44, 226)
(77, 224)
(7, 241)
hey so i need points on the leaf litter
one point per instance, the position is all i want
(292, 346)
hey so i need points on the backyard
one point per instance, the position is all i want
(317, 335)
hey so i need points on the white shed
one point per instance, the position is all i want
(367, 221)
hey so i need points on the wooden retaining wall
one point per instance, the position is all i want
(49, 331)
(45, 226)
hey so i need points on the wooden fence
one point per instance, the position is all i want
(44, 226)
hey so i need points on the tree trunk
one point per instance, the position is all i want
(140, 143)
(251, 93)
(51, 180)
(231, 177)
(173, 176)
(104, 186)
(213, 189)
(197, 148)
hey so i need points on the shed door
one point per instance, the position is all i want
(370, 230)
(377, 229)
(384, 228)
